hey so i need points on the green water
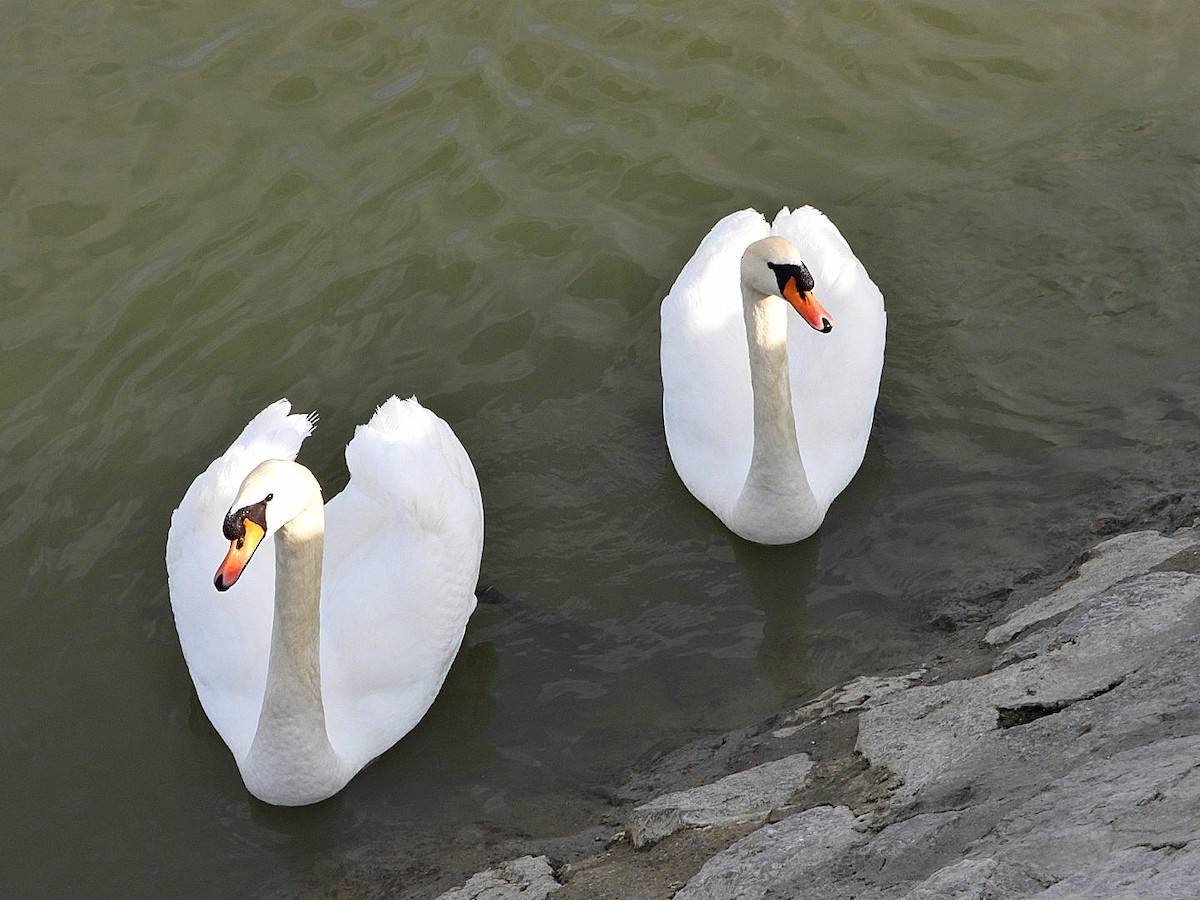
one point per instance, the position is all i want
(205, 207)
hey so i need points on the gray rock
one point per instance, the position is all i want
(1132, 619)
(901, 852)
(860, 693)
(527, 878)
(925, 730)
(973, 879)
(1139, 873)
(969, 879)
(1070, 770)
(1107, 564)
(747, 796)
(1145, 797)
(780, 860)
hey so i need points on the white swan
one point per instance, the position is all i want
(324, 652)
(731, 369)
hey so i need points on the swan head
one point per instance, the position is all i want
(274, 493)
(773, 267)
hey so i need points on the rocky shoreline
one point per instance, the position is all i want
(1051, 750)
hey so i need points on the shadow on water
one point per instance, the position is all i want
(823, 601)
(780, 579)
(297, 822)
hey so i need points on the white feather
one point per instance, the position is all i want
(401, 558)
(708, 405)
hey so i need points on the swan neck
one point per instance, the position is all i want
(296, 630)
(291, 761)
(774, 422)
(776, 505)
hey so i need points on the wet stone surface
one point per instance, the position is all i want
(1051, 752)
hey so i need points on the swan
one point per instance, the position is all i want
(324, 652)
(731, 368)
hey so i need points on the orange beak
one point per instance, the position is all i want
(809, 307)
(240, 551)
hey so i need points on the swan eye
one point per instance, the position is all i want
(785, 272)
(268, 497)
(234, 526)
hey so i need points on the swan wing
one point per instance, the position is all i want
(402, 552)
(226, 636)
(708, 408)
(835, 376)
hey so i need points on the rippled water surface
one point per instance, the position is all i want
(204, 207)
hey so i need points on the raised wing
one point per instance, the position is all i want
(835, 376)
(708, 408)
(402, 553)
(226, 636)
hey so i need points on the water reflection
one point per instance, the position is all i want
(780, 578)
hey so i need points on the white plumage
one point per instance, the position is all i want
(708, 403)
(401, 558)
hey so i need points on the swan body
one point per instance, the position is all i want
(331, 644)
(767, 418)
